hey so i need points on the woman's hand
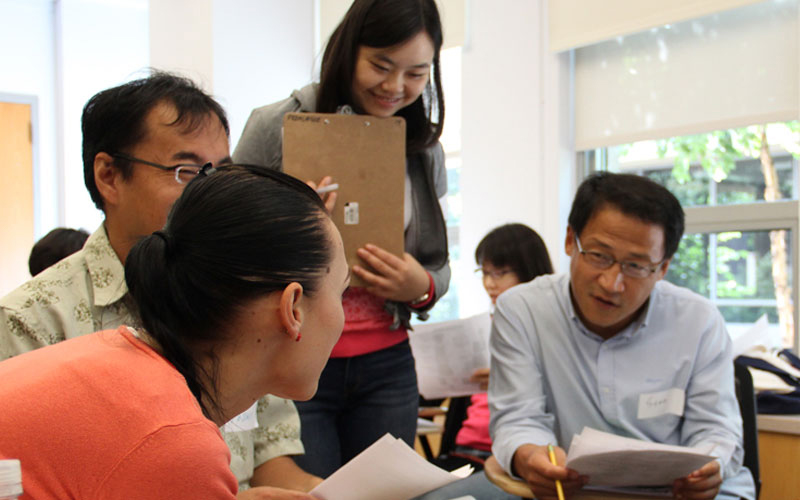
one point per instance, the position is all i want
(269, 493)
(481, 376)
(328, 198)
(399, 279)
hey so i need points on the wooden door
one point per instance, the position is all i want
(16, 194)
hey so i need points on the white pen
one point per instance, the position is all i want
(328, 188)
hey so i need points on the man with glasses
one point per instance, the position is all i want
(596, 346)
(142, 142)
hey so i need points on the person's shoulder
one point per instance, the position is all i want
(669, 294)
(301, 100)
(68, 276)
(676, 305)
(539, 292)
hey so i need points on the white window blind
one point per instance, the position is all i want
(575, 23)
(730, 69)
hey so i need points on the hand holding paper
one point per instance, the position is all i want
(534, 465)
(611, 460)
(702, 483)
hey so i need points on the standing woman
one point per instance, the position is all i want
(382, 60)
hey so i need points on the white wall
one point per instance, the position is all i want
(263, 49)
(517, 163)
(103, 44)
(63, 52)
(27, 27)
(247, 53)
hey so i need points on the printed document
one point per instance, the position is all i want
(388, 470)
(447, 354)
(611, 460)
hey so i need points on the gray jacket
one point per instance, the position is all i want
(426, 236)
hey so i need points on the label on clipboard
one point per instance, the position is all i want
(351, 213)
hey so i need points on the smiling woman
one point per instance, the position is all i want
(382, 60)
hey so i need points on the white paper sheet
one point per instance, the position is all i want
(756, 335)
(447, 354)
(388, 470)
(611, 460)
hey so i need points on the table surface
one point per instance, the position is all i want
(785, 424)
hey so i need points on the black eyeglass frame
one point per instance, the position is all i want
(495, 275)
(178, 169)
(603, 261)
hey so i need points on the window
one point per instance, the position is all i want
(447, 307)
(741, 213)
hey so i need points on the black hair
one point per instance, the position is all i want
(518, 247)
(232, 236)
(385, 23)
(59, 243)
(634, 196)
(114, 119)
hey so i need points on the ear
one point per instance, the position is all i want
(664, 268)
(290, 310)
(569, 242)
(107, 178)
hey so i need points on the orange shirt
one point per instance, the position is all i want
(103, 416)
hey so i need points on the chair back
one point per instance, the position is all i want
(745, 394)
(456, 414)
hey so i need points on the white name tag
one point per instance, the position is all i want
(656, 404)
(245, 421)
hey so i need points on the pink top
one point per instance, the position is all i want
(474, 432)
(103, 416)
(366, 326)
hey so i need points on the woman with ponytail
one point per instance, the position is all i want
(239, 296)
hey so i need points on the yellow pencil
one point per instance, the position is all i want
(552, 454)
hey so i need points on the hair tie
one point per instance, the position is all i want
(166, 238)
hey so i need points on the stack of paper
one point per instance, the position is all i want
(388, 470)
(448, 353)
(611, 460)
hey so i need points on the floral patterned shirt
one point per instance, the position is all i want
(85, 293)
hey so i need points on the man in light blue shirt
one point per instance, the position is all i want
(610, 346)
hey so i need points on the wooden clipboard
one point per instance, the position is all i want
(366, 156)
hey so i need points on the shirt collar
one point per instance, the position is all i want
(640, 323)
(106, 271)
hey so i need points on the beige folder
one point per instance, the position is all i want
(366, 156)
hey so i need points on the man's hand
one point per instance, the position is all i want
(532, 463)
(701, 484)
(399, 279)
(270, 493)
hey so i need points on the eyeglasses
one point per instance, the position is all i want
(495, 274)
(629, 268)
(184, 172)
